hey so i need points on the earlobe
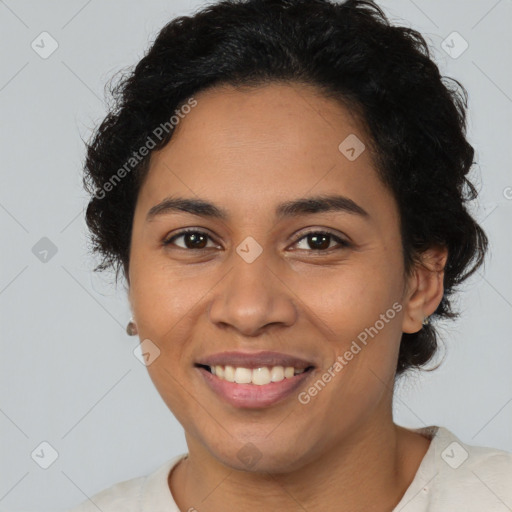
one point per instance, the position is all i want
(425, 289)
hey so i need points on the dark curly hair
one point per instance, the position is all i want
(349, 51)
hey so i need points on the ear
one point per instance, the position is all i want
(424, 289)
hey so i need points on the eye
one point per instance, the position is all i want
(193, 239)
(320, 241)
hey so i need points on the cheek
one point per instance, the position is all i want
(161, 297)
(350, 298)
(362, 327)
(357, 311)
(164, 310)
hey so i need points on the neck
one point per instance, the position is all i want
(369, 470)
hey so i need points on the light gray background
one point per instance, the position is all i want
(69, 375)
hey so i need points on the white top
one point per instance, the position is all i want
(452, 476)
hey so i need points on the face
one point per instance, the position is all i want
(298, 287)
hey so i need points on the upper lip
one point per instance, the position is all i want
(254, 360)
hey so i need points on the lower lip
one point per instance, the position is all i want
(252, 396)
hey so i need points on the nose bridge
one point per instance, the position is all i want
(251, 296)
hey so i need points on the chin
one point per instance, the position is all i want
(261, 455)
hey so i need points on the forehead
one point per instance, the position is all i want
(292, 117)
(250, 147)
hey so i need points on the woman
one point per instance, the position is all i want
(283, 185)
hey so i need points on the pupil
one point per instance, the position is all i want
(195, 237)
(324, 238)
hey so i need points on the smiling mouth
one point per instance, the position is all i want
(260, 376)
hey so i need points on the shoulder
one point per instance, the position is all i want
(130, 495)
(478, 477)
(487, 470)
(470, 458)
(455, 475)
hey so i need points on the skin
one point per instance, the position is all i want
(246, 151)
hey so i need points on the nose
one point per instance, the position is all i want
(252, 297)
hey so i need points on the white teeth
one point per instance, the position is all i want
(277, 373)
(261, 376)
(243, 376)
(288, 372)
(229, 374)
(258, 376)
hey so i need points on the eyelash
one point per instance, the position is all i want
(342, 243)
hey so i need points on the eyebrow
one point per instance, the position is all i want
(288, 209)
